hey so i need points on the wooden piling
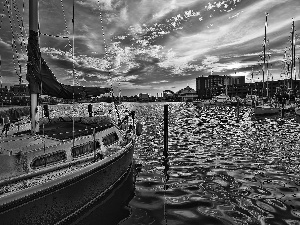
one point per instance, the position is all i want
(282, 109)
(165, 129)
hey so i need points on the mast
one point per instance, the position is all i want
(293, 55)
(1, 83)
(265, 41)
(294, 48)
(33, 86)
(119, 93)
(251, 83)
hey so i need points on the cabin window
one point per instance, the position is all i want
(84, 149)
(110, 139)
(48, 159)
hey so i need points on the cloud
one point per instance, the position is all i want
(4, 44)
(154, 44)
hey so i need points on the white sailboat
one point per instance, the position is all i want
(57, 176)
(223, 99)
(265, 109)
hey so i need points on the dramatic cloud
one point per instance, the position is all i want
(150, 45)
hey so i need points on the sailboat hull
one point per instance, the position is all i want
(261, 110)
(59, 201)
(297, 114)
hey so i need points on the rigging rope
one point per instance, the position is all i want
(2, 15)
(62, 6)
(13, 44)
(22, 39)
(21, 26)
(106, 54)
(73, 65)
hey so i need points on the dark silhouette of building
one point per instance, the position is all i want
(213, 85)
(207, 87)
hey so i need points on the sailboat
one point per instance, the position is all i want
(52, 175)
(265, 108)
(223, 99)
(119, 101)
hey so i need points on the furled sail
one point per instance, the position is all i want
(39, 73)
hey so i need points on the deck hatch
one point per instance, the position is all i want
(48, 159)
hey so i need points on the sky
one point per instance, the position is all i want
(147, 46)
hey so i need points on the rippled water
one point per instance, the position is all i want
(218, 171)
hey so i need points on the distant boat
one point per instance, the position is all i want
(52, 175)
(297, 114)
(234, 101)
(205, 102)
(222, 99)
(119, 99)
(264, 109)
(251, 99)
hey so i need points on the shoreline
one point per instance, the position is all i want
(8, 107)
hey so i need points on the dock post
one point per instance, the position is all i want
(165, 129)
(165, 159)
(282, 109)
(90, 110)
(238, 110)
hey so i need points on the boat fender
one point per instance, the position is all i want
(139, 128)
(123, 126)
(99, 156)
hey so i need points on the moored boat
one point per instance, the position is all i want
(204, 102)
(56, 177)
(222, 99)
(250, 100)
(265, 110)
(297, 114)
(55, 168)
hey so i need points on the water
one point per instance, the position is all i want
(218, 170)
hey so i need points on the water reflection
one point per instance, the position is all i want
(220, 171)
(217, 171)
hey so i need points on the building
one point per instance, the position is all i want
(144, 97)
(5, 96)
(213, 85)
(168, 95)
(207, 87)
(187, 94)
(20, 89)
(20, 94)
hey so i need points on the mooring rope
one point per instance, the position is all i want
(107, 58)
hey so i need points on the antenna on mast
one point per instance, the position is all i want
(293, 53)
(265, 41)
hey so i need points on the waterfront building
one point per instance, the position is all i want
(187, 94)
(212, 85)
(21, 89)
(168, 95)
(20, 94)
(144, 97)
(6, 96)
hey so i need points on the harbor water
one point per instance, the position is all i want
(218, 170)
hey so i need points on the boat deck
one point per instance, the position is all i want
(64, 130)
(25, 143)
(19, 139)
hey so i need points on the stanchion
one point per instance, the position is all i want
(282, 109)
(90, 110)
(165, 159)
(166, 129)
(238, 111)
